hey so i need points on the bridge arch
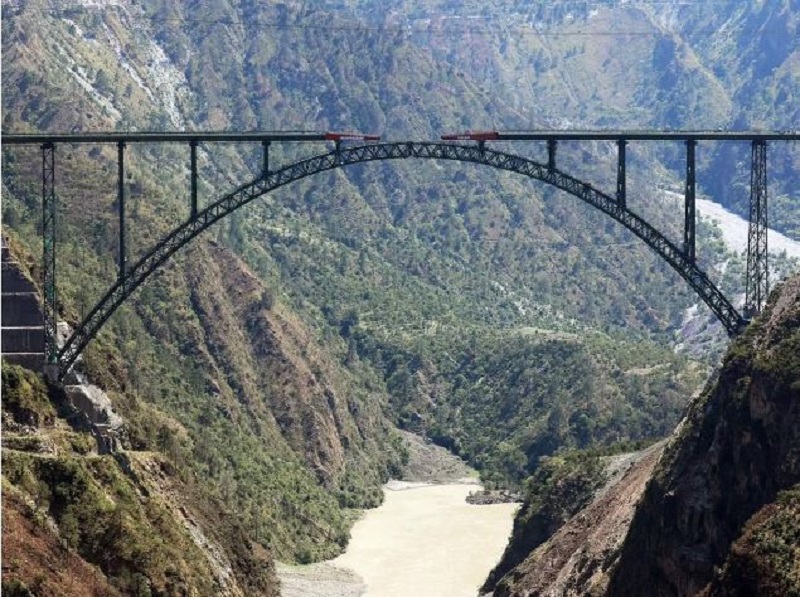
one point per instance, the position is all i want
(186, 232)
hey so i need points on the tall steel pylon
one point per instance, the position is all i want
(757, 260)
(49, 310)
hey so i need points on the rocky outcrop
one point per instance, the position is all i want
(93, 406)
(739, 446)
(486, 497)
(573, 559)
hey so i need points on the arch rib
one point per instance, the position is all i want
(186, 232)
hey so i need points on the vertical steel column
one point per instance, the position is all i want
(689, 203)
(757, 259)
(552, 147)
(265, 159)
(121, 206)
(621, 181)
(49, 259)
(193, 165)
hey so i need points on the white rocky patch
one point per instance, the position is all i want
(116, 45)
(698, 325)
(81, 77)
(163, 82)
(735, 228)
(169, 81)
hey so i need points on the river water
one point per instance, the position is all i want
(426, 540)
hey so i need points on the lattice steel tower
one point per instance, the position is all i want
(757, 266)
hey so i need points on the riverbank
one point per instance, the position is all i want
(319, 580)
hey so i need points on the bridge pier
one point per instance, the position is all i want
(49, 310)
(552, 147)
(621, 177)
(689, 217)
(193, 182)
(121, 206)
(265, 158)
(757, 257)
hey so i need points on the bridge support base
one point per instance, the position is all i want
(757, 259)
(51, 372)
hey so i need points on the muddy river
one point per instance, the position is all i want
(427, 541)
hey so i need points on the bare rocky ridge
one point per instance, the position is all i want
(736, 450)
(575, 560)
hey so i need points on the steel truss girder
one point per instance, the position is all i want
(757, 256)
(341, 157)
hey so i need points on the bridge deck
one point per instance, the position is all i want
(533, 135)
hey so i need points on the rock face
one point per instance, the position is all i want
(574, 559)
(95, 407)
(739, 446)
(718, 514)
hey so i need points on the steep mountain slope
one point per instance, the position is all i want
(715, 514)
(569, 533)
(736, 450)
(79, 523)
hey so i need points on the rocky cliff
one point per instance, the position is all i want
(717, 514)
(737, 449)
(565, 543)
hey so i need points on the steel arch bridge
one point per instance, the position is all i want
(130, 277)
(137, 273)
